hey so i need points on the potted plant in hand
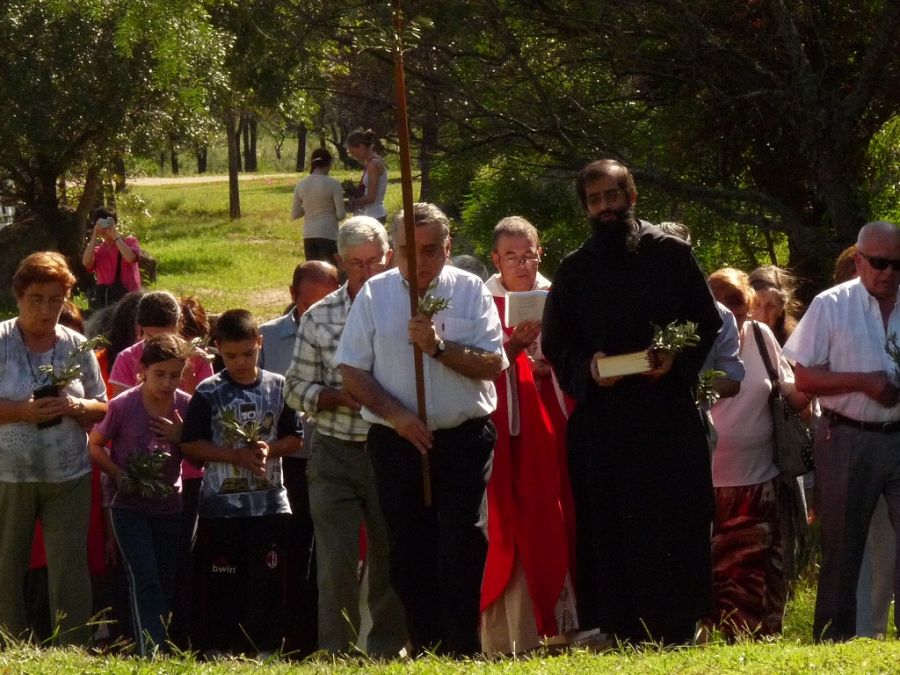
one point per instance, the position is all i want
(66, 374)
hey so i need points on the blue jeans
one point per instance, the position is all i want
(149, 546)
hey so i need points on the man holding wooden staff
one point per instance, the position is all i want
(437, 552)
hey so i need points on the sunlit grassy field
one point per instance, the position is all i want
(225, 263)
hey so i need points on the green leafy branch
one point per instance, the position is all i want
(674, 338)
(143, 474)
(235, 433)
(71, 367)
(706, 390)
(431, 305)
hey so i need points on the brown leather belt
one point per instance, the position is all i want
(835, 417)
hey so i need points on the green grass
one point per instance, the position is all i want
(792, 653)
(225, 263)
(860, 656)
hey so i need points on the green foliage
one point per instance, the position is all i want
(883, 178)
(71, 367)
(236, 434)
(143, 474)
(675, 337)
(432, 304)
(514, 187)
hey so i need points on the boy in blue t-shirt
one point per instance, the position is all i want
(237, 423)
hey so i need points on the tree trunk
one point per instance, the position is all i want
(238, 131)
(233, 134)
(201, 158)
(118, 165)
(88, 199)
(302, 133)
(251, 158)
(173, 154)
(245, 135)
(278, 139)
(58, 223)
(340, 138)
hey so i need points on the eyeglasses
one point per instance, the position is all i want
(608, 196)
(881, 263)
(516, 260)
(53, 301)
(374, 265)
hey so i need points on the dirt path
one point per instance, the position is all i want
(206, 178)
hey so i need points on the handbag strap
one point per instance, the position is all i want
(118, 266)
(764, 353)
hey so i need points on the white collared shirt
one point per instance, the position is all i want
(376, 339)
(842, 331)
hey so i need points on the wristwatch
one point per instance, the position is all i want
(439, 348)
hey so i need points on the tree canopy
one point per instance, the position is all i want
(764, 124)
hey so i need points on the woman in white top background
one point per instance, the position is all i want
(320, 200)
(749, 585)
(361, 146)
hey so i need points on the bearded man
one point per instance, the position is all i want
(638, 458)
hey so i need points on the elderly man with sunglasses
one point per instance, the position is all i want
(839, 352)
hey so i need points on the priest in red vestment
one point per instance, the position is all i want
(527, 589)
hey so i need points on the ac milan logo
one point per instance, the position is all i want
(272, 560)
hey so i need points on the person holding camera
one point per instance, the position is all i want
(113, 261)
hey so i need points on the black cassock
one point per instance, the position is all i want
(638, 458)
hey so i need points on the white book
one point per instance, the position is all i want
(524, 306)
(622, 364)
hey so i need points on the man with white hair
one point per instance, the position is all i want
(342, 493)
(437, 553)
(839, 351)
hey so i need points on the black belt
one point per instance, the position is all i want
(834, 418)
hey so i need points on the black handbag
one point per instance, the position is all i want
(109, 294)
(793, 444)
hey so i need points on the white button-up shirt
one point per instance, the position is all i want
(376, 339)
(842, 331)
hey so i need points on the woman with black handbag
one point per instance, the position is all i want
(749, 586)
(113, 261)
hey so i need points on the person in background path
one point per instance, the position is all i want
(319, 200)
(373, 186)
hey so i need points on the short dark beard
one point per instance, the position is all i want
(620, 235)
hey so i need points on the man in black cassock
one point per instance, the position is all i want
(638, 458)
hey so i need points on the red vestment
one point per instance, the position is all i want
(529, 498)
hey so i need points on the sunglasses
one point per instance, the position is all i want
(881, 263)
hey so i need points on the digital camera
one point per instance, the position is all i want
(105, 223)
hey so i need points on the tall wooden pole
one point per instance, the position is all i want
(409, 227)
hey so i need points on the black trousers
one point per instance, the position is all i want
(302, 592)
(438, 553)
(240, 583)
(319, 248)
